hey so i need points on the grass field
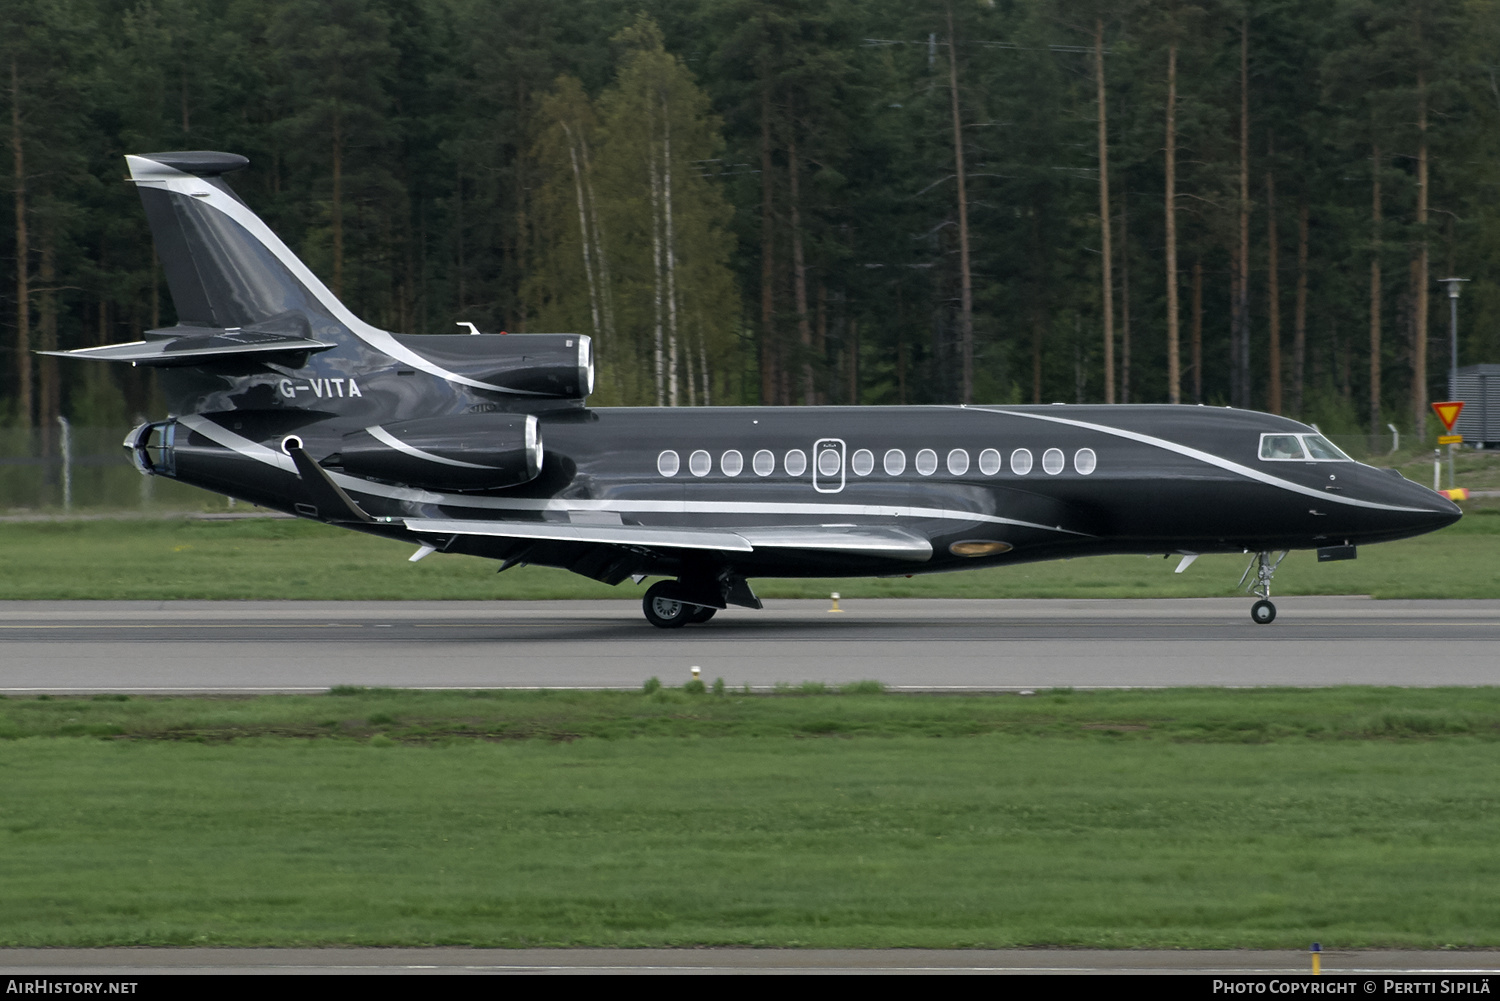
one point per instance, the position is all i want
(1194, 819)
(268, 559)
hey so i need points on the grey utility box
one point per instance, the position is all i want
(1479, 387)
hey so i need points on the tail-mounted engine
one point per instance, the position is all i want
(555, 366)
(472, 452)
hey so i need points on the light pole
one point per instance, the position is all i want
(1453, 284)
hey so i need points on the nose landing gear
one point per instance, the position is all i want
(1263, 612)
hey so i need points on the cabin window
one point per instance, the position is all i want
(1053, 461)
(764, 463)
(1281, 447)
(732, 462)
(828, 462)
(989, 462)
(958, 462)
(1020, 461)
(927, 462)
(895, 462)
(667, 463)
(1085, 461)
(700, 462)
(795, 462)
(862, 462)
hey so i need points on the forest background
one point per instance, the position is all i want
(795, 201)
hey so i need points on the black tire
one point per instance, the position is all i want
(701, 613)
(1263, 612)
(662, 611)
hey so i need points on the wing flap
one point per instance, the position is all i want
(863, 540)
(891, 543)
(619, 535)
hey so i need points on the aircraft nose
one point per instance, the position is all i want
(1441, 512)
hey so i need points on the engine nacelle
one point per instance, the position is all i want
(472, 452)
(557, 366)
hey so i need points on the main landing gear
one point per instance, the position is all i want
(1262, 612)
(665, 611)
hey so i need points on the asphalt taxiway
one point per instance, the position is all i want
(267, 646)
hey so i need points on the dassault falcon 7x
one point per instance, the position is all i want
(483, 444)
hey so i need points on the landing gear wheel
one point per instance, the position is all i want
(664, 612)
(1263, 612)
(701, 613)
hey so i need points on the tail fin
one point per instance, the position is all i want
(242, 295)
(224, 266)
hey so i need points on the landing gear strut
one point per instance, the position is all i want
(1262, 612)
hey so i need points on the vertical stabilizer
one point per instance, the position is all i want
(224, 266)
(228, 271)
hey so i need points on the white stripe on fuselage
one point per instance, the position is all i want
(380, 434)
(1208, 457)
(271, 457)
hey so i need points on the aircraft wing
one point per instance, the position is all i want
(894, 543)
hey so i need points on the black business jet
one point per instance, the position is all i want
(483, 444)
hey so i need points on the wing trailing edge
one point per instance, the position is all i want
(894, 543)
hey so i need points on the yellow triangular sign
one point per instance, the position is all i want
(1448, 412)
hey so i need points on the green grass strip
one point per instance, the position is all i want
(1188, 818)
(273, 559)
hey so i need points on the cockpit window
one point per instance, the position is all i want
(1321, 448)
(1281, 446)
(1300, 447)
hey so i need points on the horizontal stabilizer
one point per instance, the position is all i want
(199, 347)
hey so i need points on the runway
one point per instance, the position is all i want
(940, 645)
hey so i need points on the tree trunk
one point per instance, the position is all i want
(1036, 354)
(966, 308)
(338, 209)
(1174, 362)
(23, 258)
(583, 229)
(596, 233)
(820, 341)
(657, 278)
(1375, 421)
(768, 354)
(1273, 294)
(1241, 361)
(1299, 317)
(1106, 281)
(703, 369)
(1419, 308)
(50, 401)
(458, 232)
(1197, 331)
(853, 371)
(1125, 296)
(669, 255)
(799, 274)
